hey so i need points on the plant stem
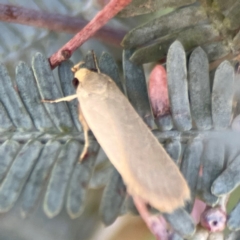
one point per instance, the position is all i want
(108, 12)
(56, 22)
(217, 62)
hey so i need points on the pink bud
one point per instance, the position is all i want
(213, 219)
(158, 91)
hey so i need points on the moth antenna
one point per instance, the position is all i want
(76, 67)
(95, 62)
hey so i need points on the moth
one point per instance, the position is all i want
(147, 170)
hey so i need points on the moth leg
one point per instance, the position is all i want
(76, 67)
(85, 131)
(64, 99)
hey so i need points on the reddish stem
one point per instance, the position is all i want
(158, 91)
(108, 12)
(156, 223)
(55, 22)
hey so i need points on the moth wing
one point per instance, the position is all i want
(144, 165)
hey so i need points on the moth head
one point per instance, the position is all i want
(75, 83)
(80, 76)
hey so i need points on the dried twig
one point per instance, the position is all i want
(108, 12)
(217, 62)
(56, 22)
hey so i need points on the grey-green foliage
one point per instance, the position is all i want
(44, 143)
(41, 142)
(213, 25)
(138, 7)
(201, 140)
(40, 152)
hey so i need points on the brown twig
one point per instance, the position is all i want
(56, 22)
(108, 12)
(217, 62)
